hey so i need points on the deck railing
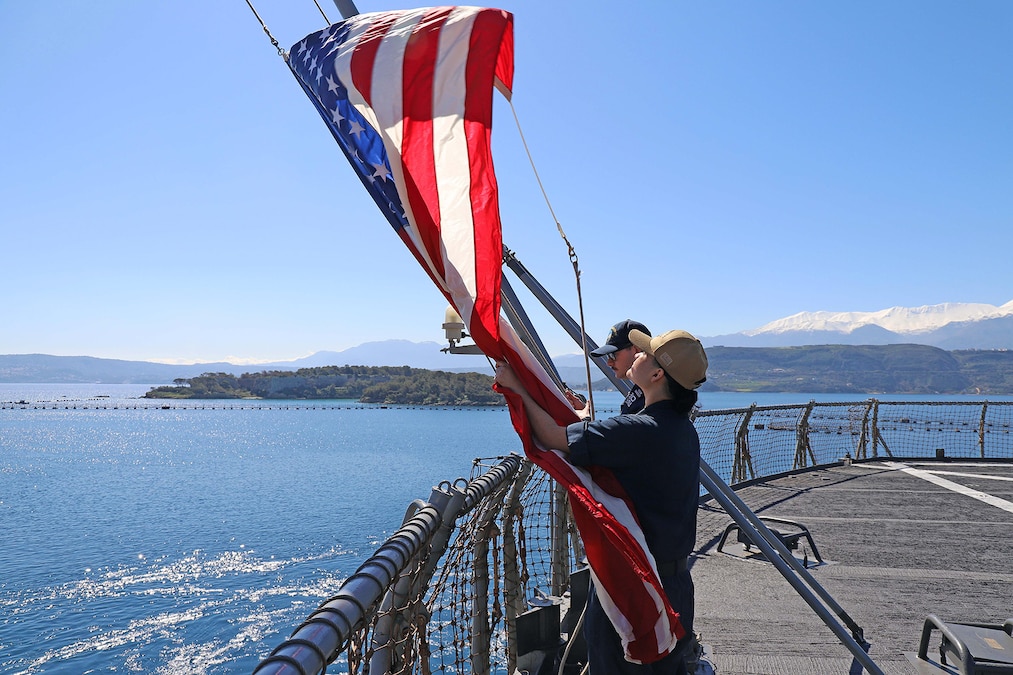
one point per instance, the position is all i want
(443, 593)
(760, 441)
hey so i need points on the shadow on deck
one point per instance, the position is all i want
(901, 541)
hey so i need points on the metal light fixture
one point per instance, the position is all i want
(453, 326)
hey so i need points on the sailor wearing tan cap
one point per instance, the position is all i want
(655, 455)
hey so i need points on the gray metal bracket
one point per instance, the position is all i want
(970, 648)
(790, 538)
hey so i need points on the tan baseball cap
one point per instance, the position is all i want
(680, 355)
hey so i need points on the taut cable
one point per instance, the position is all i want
(321, 10)
(281, 52)
(573, 259)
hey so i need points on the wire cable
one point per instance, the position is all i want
(570, 640)
(281, 52)
(321, 10)
(573, 259)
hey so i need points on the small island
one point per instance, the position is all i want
(392, 385)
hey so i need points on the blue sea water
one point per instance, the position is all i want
(195, 538)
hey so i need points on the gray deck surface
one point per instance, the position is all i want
(898, 548)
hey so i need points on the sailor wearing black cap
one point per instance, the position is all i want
(619, 353)
(655, 456)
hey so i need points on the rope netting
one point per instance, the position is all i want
(499, 562)
(452, 606)
(760, 441)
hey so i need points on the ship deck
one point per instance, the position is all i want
(898, 545)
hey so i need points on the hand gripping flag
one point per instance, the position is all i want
(407, 95)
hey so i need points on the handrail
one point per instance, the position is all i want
(327, 632)
(717, 431)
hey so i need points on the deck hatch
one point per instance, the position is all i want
(971, 648)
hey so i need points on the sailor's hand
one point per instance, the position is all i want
(578, 403)
(506, 377)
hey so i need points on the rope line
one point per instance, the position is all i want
(281, 52)
(573, 259)
(321, 10)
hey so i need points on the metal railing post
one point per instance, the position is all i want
(981, 429)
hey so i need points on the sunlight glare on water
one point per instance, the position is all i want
(192, 540)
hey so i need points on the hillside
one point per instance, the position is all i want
(867, 369)
(990, 372)
(860, 369)
(369, 384)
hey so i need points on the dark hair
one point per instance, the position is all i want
(684, 399)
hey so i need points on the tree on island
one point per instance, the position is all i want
(369, 384)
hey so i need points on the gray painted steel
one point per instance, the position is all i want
(898, 549)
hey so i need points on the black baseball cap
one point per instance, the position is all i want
(619, 337)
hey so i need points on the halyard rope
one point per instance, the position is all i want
(281, 52)
(322, 12)
(573, 259)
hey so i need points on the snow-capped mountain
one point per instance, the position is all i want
(951, 325)
(895, 319)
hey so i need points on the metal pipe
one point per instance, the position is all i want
(513, 589)
(327, 631)
(526, 330)
(489, 481)
(387, 625)
(561, 316)
(484, 529)
(481, 635)
(560, 563)
(394, 615)
(346, 7)
(323, 636)
(779, 556)
(981, 428)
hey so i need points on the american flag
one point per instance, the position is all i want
(407, 95)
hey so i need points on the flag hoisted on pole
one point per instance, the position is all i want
(407, 95)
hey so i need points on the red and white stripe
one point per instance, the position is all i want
(424, 80)
(625, 573)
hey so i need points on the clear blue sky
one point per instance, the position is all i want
(168, 193)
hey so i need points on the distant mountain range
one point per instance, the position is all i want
(43, 368)
(891, 369)
(950, 326)
(389, 353)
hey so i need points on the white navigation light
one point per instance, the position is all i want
(453, 324)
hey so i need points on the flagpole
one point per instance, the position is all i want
(519, 319)
(821, 602)
(346, 7)
(561, 316)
